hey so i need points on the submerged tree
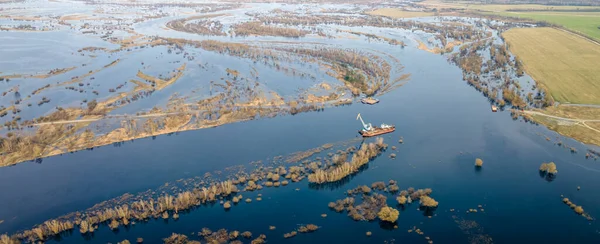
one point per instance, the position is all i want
(478, 162)
(549, 168)
(429, 202)
(388, 214)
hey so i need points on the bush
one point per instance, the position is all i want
(549, 168)
(427, 201)
(388, 214)
(308, 228)
(478, 162)
(401, 200)
(579, 210)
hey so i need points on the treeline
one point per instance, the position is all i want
(456, 32)
(257, 28)
(202, 27)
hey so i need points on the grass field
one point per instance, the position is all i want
(587, 23)
(577, 132)
(500, 7)
(574, 112)
(397, 13)
(571, 17)
(568, 65)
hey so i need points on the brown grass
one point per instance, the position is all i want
(577, 132)
(160, 84)
(564, 63)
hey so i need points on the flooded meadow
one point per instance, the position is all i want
(225, 122)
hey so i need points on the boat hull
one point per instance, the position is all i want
(376, 131)
(369, 101)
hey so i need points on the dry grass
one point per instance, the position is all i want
(160, 84)
(575, 131)
(564, 63)
(574, 112)
(398, 13)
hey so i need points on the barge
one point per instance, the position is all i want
(370, 130)
(369, 100)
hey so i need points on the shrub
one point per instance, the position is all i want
(275, 177)
(5, 239)
(388, 214)
(227, 205)
(176, 239)
(427, 201)
(289, 235)
(549, 168)
(401, 199)
(478, 162)
(247, 234)
(114, 224)
(308, 228)
(579, 210)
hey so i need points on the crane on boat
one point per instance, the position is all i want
(366, 126)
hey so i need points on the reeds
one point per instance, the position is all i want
(359, 159)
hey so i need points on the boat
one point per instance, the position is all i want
(370, 130)
(369, 100)
(494, 108)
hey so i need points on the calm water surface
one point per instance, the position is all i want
(445, 124)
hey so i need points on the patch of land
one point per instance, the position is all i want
(398, 13)
(448, 48)
(258, 29)
(158, 83)
(576, 131)
(586, 23)
(579, 122)
(581, 19)
(566, 64)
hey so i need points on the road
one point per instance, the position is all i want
(577, 121)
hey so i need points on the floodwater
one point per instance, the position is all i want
(445, 125)
(439, 117)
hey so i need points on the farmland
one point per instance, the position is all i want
(582, 19)
(565, 63)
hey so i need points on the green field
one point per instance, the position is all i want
(568, 65)
(582, 19)
(584, 22)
